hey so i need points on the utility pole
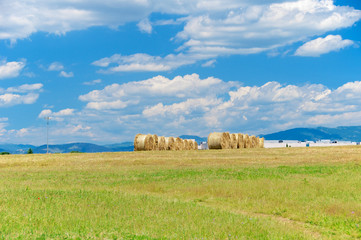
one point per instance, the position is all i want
(47, 134)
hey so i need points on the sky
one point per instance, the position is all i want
(104, 71)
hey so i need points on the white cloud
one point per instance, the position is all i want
(25, 88)
(66, 74)
(192, 105)
(205, 107)
(145, 26)
(24, 94)
(240, 28)
(10, 99)
(117, 96)
(20, 18)
(209, 63)
(57, 116)
(257, 28)
(320, 46)
(211, 28)
(94, 82)
(118, 104)
(10, 69)
(141, 62)
(55, 66)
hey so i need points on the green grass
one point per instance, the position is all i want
(293, 193)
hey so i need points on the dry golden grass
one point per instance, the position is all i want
(290, 193)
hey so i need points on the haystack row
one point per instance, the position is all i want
(225, 140)
(148, 142)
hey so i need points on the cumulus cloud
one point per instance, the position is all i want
(55, 66)
(141, 62)
(243, 28)
(145, 26)
(118, 96)
(19, 18)
(10, 69)
(94, 82)
(190, 105)
(25, 88)
(66, 74)
(24, 94)
(211, 28)
(193, 105)
(56, 116)
(258, 28)
(320, 46)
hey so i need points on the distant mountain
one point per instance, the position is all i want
(352, 133)
(121, 147)
(66, 148)
(15, 148)
(196, 138)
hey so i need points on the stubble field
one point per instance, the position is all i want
(288, 193)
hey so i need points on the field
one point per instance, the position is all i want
(288, 193)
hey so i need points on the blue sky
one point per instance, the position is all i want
(104, 71)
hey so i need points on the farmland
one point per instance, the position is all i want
(287, 193)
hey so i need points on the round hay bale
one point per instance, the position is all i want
(191, 144)
(169, 143)
(254, 142)
(234, 141)
(240, 140)
(257, 143)
(219, 140)
(178, 144)
(143, 142)
(155, 146)
(195, 145)
(185, 144)
(161, 144)
(247, 142)
(261, 142)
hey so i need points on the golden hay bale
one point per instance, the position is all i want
(240, 140)
(234, 141)
(191, 144)
(253, 141)
(185, 144)
(195, 145)
(261, 142)
(178, 143)
(169, 143)
(247, 141)
(219, 140)
(143, 142)
(161, 144)
(155, 146)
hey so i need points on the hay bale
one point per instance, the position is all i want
(178, 144)
(161, 144)
(143, 142)
(185, 144)
(169, 143)
(261, 142)
(191, 144)
(155, 146)
(219, 140)
(195, 145)
(234, 142)
(247, 141)
(253, 141)
(240, 140)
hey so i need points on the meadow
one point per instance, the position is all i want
(286, 193)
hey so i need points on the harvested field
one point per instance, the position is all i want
(256, 193)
